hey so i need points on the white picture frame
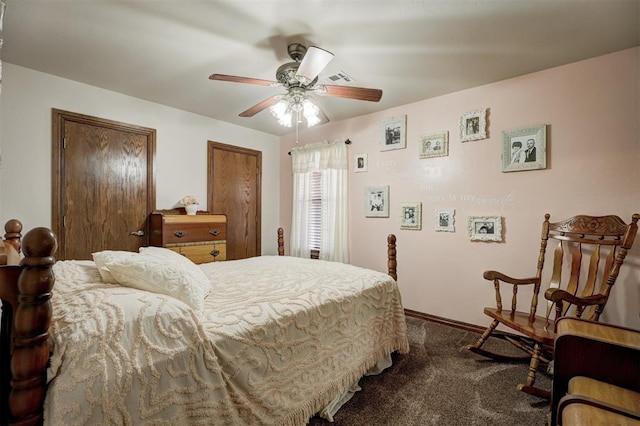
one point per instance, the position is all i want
(434, 145)
(376, 201)
(445, 220)
(393, 133)
(360, 163)
(473, 125)
(485, 228)
(524, 149)
(411, 216)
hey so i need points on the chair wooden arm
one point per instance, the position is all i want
(603, 352)
(600, 416)
(557, 295)
(495, 275)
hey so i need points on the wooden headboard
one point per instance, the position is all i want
(25, 291)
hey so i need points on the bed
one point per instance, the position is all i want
(267, 340)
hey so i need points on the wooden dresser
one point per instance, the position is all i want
(202, 238)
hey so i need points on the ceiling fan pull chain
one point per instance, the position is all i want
(297, 122)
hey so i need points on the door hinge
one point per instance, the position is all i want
(64, 221)
(64, 143)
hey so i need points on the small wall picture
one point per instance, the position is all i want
(524, 149)
(361, 163)
(394, 133)
(436, 145)
(376, 201)
(411, 216)
(445, 220)
(485, 228)
(473, 125)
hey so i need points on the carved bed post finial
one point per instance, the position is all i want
(32, 317)
(13, 229)
(280, 242)
(392, 264)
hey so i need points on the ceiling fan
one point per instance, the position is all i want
(300, 79)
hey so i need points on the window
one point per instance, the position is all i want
(319, 218)
(314, 228)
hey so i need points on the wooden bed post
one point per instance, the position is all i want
(13, 229)
(392, 264)
(280, 242)
(31, 320)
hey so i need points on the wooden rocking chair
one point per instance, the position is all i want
(591, 250)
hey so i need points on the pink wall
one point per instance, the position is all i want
(592, 113)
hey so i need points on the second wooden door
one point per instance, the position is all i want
(234, 189)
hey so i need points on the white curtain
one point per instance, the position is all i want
(325, 164)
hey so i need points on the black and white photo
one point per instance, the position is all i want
(360, 163)
(524, 149)
(376, 201)
(473, 125)
(445, 220)
(435, 145)
(485, 228)
(394, 133)
(411, 215)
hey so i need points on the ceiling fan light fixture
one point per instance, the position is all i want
(314, 61)
(282, 112)
(311, 112)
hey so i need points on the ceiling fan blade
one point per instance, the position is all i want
(248, 80)
(360, 93)
(260, 106)
(314, 61)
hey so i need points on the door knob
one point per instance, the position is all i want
(139, 233)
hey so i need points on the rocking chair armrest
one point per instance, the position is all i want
(555, 295)
(495, 275)
(601, 405)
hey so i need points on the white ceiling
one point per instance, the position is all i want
(164, 51)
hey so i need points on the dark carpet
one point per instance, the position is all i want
(438, 383)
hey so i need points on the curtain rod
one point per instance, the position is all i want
(347, 142)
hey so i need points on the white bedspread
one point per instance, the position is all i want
(279, 339)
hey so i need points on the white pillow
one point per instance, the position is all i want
(103, 257)
(156, 274)
(172, 256)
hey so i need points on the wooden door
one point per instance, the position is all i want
(103, 184)
(234, 185)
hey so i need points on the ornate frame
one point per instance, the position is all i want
(473, 125)
(393, 133)
(485, 228)
(438, 145)
(376, 201)
(445, 220)
(524, 136)
(411, 216)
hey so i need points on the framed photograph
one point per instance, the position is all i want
(485, 228)
(524, 149)
(411, 216)
(376, 201)
(445, 220)
(473, 125)
(436, 145)
(360, 163)
(394, 133)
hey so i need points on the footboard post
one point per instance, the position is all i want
(280, 242)
(392, 264)
(31, 320)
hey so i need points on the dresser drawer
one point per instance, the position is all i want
(202, 252)
(201, 238)
(178, 233)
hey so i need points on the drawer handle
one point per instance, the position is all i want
(214, 232)
(179, 234)
(214, 253)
